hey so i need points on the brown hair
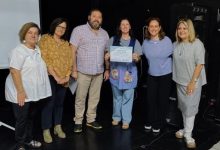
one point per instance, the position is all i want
(161, 32)
(24, 29)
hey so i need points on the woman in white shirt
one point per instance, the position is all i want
(26, 84)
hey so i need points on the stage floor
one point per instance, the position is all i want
(206, 131)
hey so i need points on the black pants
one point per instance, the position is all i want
(158, 91)
(53, 109)
(24, 121)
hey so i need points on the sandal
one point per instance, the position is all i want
(34, 144)
(125, 126)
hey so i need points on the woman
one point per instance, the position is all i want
(57, 54)
(123, 76)
(189, 75)
(157, 49)
(26, 84)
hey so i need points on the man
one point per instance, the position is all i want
(88, 44)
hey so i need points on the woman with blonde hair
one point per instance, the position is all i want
(189, 75)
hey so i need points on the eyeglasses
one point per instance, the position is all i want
(64, 28)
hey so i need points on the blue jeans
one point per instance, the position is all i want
(122, 104)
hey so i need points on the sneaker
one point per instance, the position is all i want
(94, 125)
(179, 134)
(190, 142)
(147, 127)
(77, 128)
(34, 144)
(155, 130)
(21, 148)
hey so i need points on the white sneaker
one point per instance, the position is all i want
(190, 142)
(156, 130)
(147, 127)
(179, 134)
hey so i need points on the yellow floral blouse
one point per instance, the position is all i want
(56, 55)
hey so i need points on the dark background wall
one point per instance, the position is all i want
(137, 11)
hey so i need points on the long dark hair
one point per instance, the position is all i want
(118, 30)
(57, 22)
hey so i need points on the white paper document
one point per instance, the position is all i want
(121, 53)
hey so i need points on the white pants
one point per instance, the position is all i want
(188, 123)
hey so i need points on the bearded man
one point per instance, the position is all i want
(88, 43)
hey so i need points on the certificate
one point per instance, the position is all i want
(121, 53)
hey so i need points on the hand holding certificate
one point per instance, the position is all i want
(121, 53)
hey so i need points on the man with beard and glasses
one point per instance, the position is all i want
(88, 45)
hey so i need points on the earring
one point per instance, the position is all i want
(24, 41)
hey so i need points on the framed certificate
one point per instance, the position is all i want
(121, 53)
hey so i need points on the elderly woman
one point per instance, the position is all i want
(26, 84)
(57, 54)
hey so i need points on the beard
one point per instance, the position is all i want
(94, 24)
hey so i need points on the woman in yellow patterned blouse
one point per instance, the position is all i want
(57, 54)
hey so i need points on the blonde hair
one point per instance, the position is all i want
(189, 24)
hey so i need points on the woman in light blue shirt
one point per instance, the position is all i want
(157, 48)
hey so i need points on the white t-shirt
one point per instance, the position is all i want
(33, 73)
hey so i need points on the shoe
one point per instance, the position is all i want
(156, 130)
(115, 123)
(21, 147)
(94, 125)
(190, 143)
(47, 136)
(34, 144)
(59, 132)
(147, 127)
(125, 126)
(179, 134)
(77, 128)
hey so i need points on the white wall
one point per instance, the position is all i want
(13, 14)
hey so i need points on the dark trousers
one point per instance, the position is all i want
(158, 91)
(24, 121)
(53, 108)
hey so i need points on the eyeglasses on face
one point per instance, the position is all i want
(64, 28)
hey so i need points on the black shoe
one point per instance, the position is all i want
(94, 125)
(156, 131)
(20, 148)
(77, 128)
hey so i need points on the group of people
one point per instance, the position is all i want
(41, 70)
